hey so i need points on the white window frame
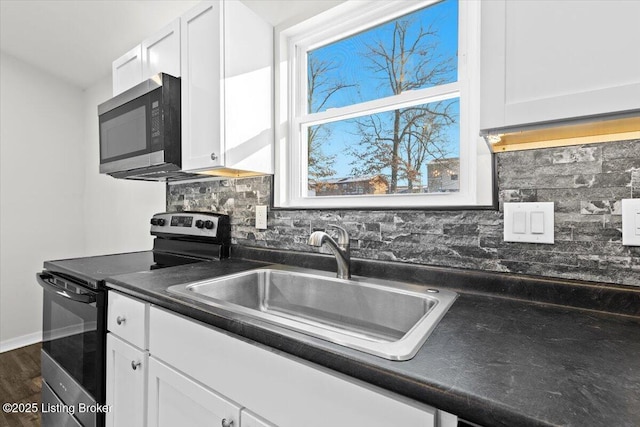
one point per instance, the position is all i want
(351, 17)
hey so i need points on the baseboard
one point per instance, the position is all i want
(21, 341)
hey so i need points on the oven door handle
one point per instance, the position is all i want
(82, 298)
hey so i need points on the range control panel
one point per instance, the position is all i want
(204, 225)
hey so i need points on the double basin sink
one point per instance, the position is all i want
(384, 318)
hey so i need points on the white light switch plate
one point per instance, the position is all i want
(261, 217)
(631, 222)
(529, 222)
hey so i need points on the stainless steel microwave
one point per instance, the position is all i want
(140, 135)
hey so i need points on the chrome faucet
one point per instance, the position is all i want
(340, 249)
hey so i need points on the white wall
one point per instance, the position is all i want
(117, 211)
(41, 189)
(53, 202)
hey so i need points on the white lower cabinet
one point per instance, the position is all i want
(249, 419)
(127, 361)
(196, 372)
(175, 400)
(126, 384)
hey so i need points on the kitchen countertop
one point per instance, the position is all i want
(492, 360)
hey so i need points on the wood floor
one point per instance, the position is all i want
(20, 382)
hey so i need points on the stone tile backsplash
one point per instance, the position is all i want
(585, 182)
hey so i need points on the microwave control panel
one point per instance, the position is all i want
(155, 120)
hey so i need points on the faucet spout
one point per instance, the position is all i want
(340, 249)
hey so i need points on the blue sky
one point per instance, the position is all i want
(351, 66)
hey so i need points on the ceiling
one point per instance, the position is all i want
(77, 40)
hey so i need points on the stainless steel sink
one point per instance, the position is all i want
(383, 318)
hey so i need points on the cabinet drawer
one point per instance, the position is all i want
(287, 391)
(128, 319)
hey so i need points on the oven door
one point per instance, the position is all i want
(74, 332)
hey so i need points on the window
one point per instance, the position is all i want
(378, 107)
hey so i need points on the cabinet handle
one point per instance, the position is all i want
(135, 365)
(214, 157)
(226, 423)
(120, 320)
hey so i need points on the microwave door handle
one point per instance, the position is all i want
(42, 280)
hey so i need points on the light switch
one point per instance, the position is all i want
(537, 222)
(261, 217)
(520, 222)
(529, 222)
(631, 222)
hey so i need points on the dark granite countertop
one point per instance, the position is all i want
(492, 360)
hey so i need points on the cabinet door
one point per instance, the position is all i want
(161, 53)
(175, 400)
(202, 90)
(126, 383)
(546, 61)
(249, 419)
(127, 70)
(286, 391)
(248, 89)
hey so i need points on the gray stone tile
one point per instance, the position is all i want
(577, 154)
(518, 195)
(635, 184)
(626, 164)
(621, 149)
(586, 184)
(599, 207)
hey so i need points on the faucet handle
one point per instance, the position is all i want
(343, 238)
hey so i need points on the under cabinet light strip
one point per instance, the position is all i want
(596, 131)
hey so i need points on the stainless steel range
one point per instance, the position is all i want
(75, 308)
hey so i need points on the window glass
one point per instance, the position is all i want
(415, 51)
(409, 150)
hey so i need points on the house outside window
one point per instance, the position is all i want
(443, 175)
(373, 95)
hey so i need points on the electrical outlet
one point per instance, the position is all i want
(631, 222)
(261, 217)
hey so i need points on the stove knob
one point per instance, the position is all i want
(154, 221)
(161, 222)
(200, 223)
(208, 225)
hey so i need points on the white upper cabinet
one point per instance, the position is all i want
(202, 87)
(549, 61)
(227, 88)
(248, 86)
(161, 53)
(223, 53)
(127, 70)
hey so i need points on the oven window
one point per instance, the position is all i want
(71, 338)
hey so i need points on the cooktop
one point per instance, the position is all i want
(180, 238)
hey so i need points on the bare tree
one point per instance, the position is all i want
(320, 89)
(403, 139)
